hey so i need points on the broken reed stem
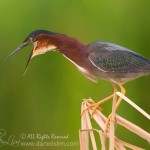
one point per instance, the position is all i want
(133, 128)
(133, 105)
(101, 120)
(112, 123)
(84, 136)
(91, 133)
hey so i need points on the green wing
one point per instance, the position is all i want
(113, 58)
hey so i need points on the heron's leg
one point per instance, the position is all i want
(96, 105)
(123, 91)
(114, 86)
(92, 104)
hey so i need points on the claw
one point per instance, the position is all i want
(92, 105)
(107, 123)
(95, 105)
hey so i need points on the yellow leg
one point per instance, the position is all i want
(96, 105)
(123, 91)
(99, 103)
(114, 86)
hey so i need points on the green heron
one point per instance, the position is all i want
(98, 60)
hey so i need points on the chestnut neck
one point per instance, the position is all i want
(71, 48)
(68, 46)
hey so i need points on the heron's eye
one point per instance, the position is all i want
(30, 40)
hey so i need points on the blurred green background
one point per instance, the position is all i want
(47, 100)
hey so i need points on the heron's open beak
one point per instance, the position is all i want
(18, 49)
(30, 56)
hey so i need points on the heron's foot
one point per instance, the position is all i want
(92, 104)
(108, 122)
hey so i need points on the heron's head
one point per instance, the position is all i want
(41, 43)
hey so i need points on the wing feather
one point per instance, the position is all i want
(110, 57)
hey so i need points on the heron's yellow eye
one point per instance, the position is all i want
(30, 40)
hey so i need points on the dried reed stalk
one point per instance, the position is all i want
(87, 130)
(112, 124)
